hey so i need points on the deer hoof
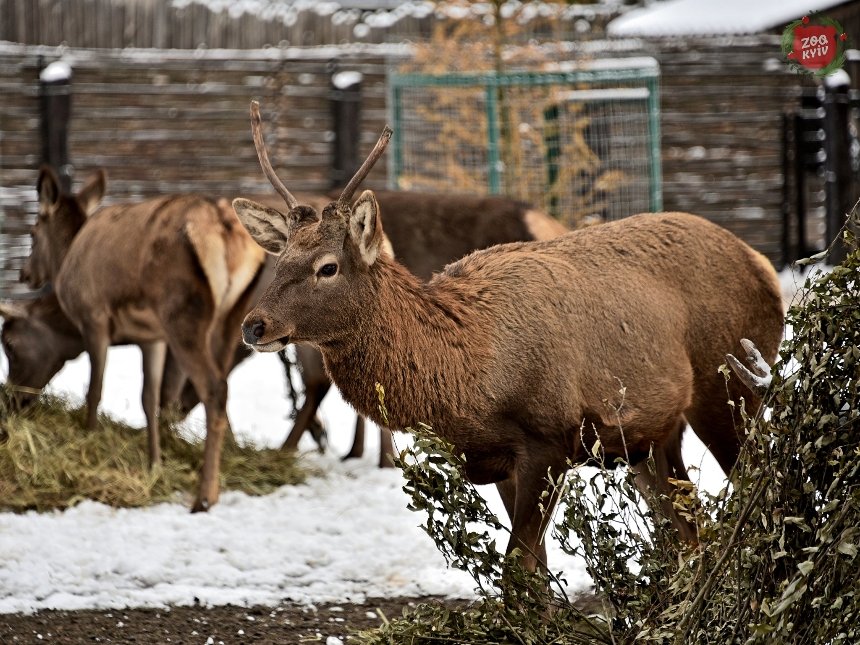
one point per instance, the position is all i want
(200, 506)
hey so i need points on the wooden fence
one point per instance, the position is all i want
(177, 121)
(167, 24)
(171, 120)
(722, 107)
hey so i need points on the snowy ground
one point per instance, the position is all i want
(341, 537)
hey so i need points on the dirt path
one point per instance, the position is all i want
(282, 625)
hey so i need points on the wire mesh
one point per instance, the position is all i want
(581, 147)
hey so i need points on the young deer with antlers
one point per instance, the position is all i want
(172, 271)
(516, 354)
(427, 231)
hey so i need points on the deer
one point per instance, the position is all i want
(427, 232)
(174, 271)
(38, 339)
(522, 355)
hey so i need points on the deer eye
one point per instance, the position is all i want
(327, 270)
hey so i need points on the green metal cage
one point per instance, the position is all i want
(580, 141)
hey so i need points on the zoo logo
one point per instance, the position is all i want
(814, 44)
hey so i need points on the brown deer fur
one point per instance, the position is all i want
(38, 339)
(427, 231)
(172, 271)
(523, 354)
(518, 354)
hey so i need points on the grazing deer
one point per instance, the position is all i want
(426, 231)
(523, 355)
(171, 272)
(38, 339)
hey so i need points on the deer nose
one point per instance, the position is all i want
(253, 331)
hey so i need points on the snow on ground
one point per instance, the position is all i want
(341, 537)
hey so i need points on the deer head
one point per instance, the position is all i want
(37, 339)
(324, 261)
(60, 218)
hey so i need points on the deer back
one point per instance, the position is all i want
(506, 334)
(130, 261)
(429, 230)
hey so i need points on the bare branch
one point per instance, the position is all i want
(355, 182)
(263, 155)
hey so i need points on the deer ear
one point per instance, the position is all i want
(48, 188)
(268, 227)
(91, 195)
(365, 227)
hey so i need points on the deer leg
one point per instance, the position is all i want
(318, 433)
(667, 463)
(194, 356)
(173, 381)
(213, 392)
(313, 398)
(508, 492)
(386, 448)
(357, 449)
(154, 355)
(713, 422)
(228, 350)
(96, 340)
(529, 522)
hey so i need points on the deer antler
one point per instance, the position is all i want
(757, 377)
(263, 155)
(375, 154)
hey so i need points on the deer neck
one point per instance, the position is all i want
(60, 245)
(419, 342)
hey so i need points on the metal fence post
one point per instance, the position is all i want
(55, 110)
(494, 182)
(346, 116)
(837, 166)
(656, 188)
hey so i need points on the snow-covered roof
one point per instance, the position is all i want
(712, 17)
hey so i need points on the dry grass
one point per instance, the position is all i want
(48, 460)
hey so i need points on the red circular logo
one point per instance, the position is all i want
(814, 44)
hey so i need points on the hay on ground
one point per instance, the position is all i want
(49, 461)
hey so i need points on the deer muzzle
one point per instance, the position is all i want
(255, 331)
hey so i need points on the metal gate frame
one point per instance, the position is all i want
(641, 69)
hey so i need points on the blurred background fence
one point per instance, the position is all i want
(253, 24)
(168, 120)
(165, 121)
